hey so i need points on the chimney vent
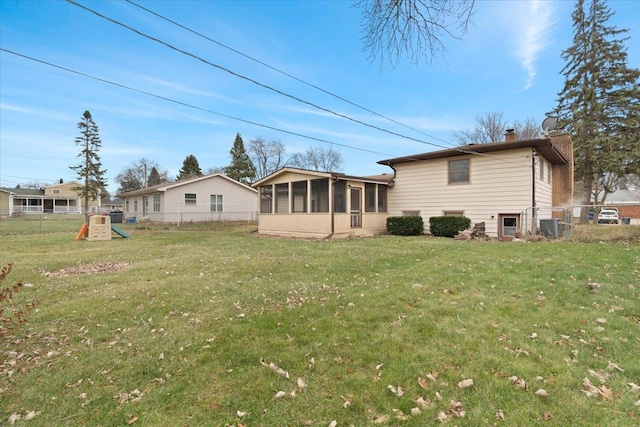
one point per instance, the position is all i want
(510, 135)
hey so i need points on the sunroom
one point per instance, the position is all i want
(304, 203)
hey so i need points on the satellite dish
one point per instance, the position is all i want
(549, 124)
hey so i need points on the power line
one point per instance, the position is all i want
(187, 104)
(265, 86)
(410, 157)
(283, 72)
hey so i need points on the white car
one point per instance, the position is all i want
(608, 216)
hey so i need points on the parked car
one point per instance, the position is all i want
(608, 216)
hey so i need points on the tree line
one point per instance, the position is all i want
(257, 160)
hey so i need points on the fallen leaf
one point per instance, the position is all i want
(301, 384)
(518, 383)
(415, 411)
(500, 415)
(424, 404)
(280, 395)
(333, 423)
(465, 383)
(30, 415)
(379, 419)
(14, 417)
(442, 417)
(423, 383)
(605, 392)
(398, 392)
(400, 415)
(541, 393)
(240, 414)
(132, 420)
(547, 415)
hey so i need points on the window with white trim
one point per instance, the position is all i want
(216, 203)
(156, 202)
(190, 199)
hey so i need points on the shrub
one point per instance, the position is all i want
(448, 226)
(405, 225)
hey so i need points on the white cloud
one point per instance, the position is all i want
(533, 27)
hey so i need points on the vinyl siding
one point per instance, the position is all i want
(238, 202)
(499, 183)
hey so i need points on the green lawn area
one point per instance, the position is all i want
(213, 325)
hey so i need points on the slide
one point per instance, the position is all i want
(120, 232)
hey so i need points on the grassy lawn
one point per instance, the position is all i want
(212, 325)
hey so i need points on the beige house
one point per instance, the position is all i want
(509, 186)
(6, 202)
(205, 198)
(51, 199)
(304, 203)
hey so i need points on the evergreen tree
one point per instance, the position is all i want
(88, 170)
(600, 102)
(241, 168)
(190, 168)
(154, 177)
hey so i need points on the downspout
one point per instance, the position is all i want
(533, 191)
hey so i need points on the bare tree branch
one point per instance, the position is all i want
(416, 28)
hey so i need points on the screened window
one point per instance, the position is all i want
(190, 199)
(453, 213)
(369, 197)
(382, 198)
(320, 195)
(216, 202)
(542, 168)
(340, 196)
(126, 205)
(282, 198)
(299, 190)
(459, 171)
(156, 203)
(266, 195)
(135, 204)
(56, 191)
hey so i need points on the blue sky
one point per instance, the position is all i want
(508, 62)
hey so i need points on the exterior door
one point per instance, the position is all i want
(508, 226)
(356, 208)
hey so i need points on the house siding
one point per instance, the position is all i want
(499, 183)
(6, 204)
(238, 202)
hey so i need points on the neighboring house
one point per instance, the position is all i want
(6, 202)
(56, 198)
(112, 204)
(509, 186)
(303, 203)
(627, 202)
(205, 198)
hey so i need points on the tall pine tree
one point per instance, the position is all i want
(241, 168)
(600, 103)
(190, 168)
(89, 170)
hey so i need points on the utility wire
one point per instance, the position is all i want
(283, 72)
(186, 104)
(194, 56)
